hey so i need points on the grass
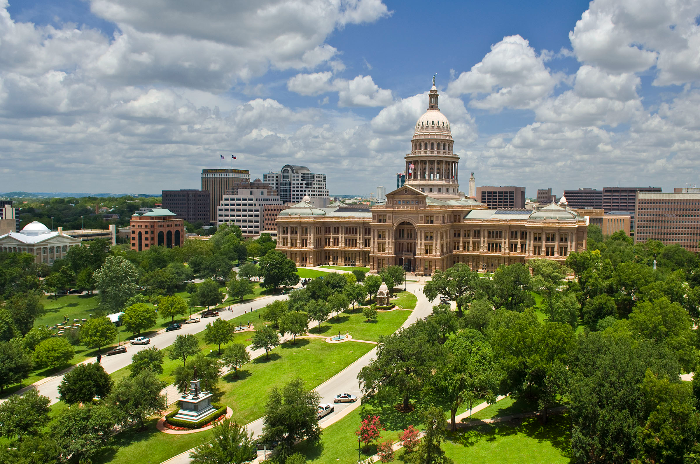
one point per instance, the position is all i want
(346, 268)
(506, 407)
(314, 361)
(310, 273)
(405, 300)
(354, 323)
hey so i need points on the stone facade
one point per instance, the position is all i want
(427, 224)
(38, 240)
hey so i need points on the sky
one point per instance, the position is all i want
(137, 96)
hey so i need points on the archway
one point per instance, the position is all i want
(177, 238)
(405, 246)
(161, 238)
(169, 239)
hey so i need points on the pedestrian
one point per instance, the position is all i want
(258, 315)
(99, 358)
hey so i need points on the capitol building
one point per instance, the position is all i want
(428, 224)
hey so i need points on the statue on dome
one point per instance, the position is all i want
(434, 79)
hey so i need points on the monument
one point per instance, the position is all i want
(196, 404)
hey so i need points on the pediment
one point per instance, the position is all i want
(406, 191)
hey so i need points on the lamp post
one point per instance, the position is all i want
(359, 448)
(404, 277)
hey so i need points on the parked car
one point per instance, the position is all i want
(324, 410)
(141, 341)
(344, 398)
(192, 320)
(117, 350)
(173, 326)
(210, 313)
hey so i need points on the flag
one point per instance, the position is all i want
(231, 157)
(222, 156)
(410, 168)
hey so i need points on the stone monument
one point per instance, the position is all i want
(383, 295)
(196, 404)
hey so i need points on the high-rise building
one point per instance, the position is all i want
(293, 183)
(217, 182)
(9, 222)
(545, 197)
(191, 205)
(584, 198)
(671, 218)
(400, 179)
(250, 206)
(501, 197)
(472, 186)
(624, 199)
(381, 193)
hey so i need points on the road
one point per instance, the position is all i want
(49, 385)
(343, 382)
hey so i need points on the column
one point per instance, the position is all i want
(556, 246)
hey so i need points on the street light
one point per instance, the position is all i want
(359, 448)
(404, 277)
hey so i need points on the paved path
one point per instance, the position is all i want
(49, 386)
(343, 382)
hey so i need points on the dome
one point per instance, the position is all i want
(35, 228)
(432, 122)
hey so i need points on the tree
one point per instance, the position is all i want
(235, 356)
(183, 347)
(15, 363)
(171, 306)
(208, 373)
(479, 315)
(60, 281)
(160, 282)
(53, 353)
(138, 317)
(317, 289)
(370, 313)
(277, 270)
(458, 283)
(597, 308)
(35, 336)
(290, 416)
(248, 270)
(295, 323)
(8, 331)
(548, 277)
(338, 302)
(31, 449)
(300, 297)
(117, 281)
(512, 287)
(392, 277)
(372, 284)
(318, 310)
(231, 444)
(24, 308)
(274, 311)
(238, 288)
(628, 280)
(208, 293)
(23, 415)
(356, 294)
(563, 307)
(359, 274)
(82, 432)
(467, 373)
(218, 332)
(136, 398)
(429, 450)
(266, 338)
(150, 359)
(84, 383)
(97, 332)
(370, 429)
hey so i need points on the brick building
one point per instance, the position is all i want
(157, 227)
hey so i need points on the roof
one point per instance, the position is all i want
(159, 212)
(433, 122)
(551, 212)
(304, 208)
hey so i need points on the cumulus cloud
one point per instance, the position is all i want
(360, 91)
(512, 74)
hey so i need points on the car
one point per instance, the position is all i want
(324, 410)
(192, 320)
(210, 313)
(117, 350)
(140, 341)
(173, 326)
(344, 398)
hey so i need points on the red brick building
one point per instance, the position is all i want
(157, 227)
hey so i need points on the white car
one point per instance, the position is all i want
(192, 320)
(140, 341)
(324, 410)
(344, 398)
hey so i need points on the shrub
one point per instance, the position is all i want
(410, 438)
(370, 313)
(369, 429)
(386, 451)
(220, 410)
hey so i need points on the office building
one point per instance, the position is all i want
(381, 194)
(293, 183)
(671, 218)
(9, 221)
(400, 179)
(545, 197)
(623, 198)
(250, 206)
(472, 186)
(584, 198)
(501, 197)
(219, 181)
(426, 224)
(36, 239)
(192, 205)
(156, 227)
(609, 223)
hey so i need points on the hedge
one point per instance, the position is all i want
(220, 410)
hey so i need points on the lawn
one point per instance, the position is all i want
(405, 300)
(310, 273)
(314, 361)
(354, 323)
(346, 268)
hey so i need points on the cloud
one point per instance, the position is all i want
(361, 91)
(311, 84)
(512, 75)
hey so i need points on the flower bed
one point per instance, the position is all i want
(177, 424)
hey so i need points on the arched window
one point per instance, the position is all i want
(177, 238)
(161, 238)
(169, 239)
(432, 145)
(140, 243)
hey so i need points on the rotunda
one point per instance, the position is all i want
(432, 166)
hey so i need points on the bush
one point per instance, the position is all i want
(370, 313)
(385, 451)
(410, 438)
(220, 410)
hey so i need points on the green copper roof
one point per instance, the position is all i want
(159, 212)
